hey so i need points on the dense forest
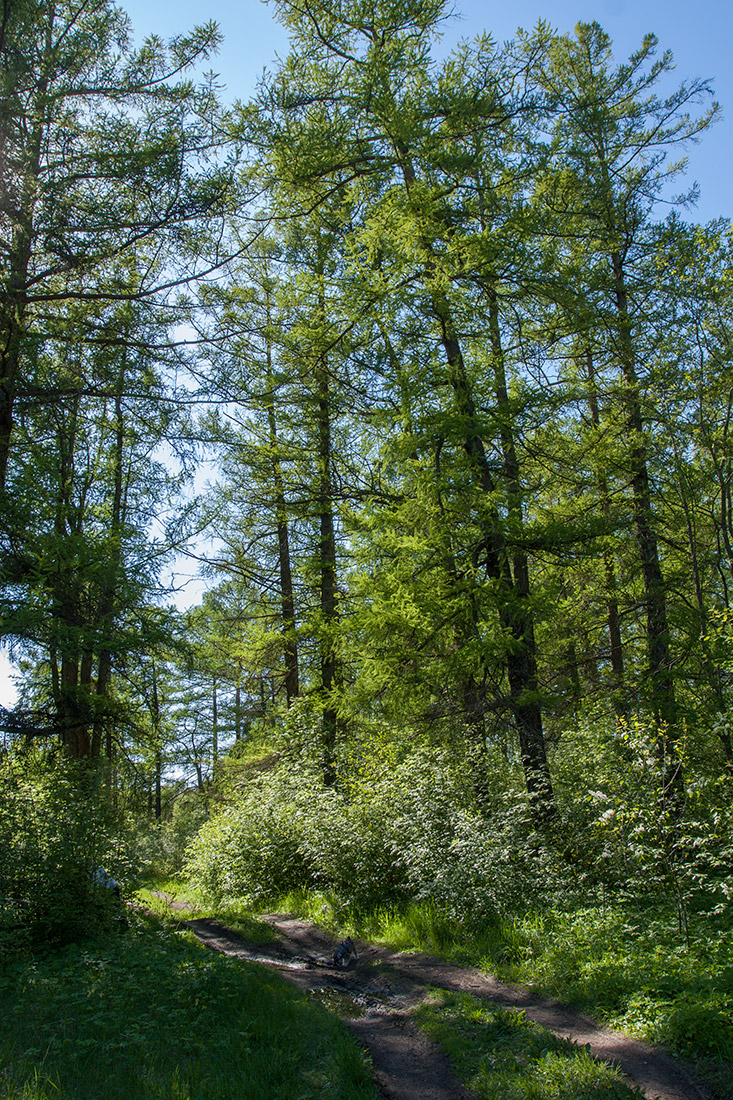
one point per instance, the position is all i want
(428, 366)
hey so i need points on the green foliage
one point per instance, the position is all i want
(628, 965)
(160, 846)
(58, 825)
(500, 1055)
(252, 850)
(392, 834)
(621, 907)
(173, 1021)
(473, 411)
(287, 831)
(629, 835)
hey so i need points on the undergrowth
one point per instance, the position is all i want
(400, 852)
(158, 894)
(629, 966)
(151, 1015)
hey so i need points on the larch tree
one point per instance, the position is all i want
(111, 166)
(107, 151)
(86, 568)
(611, 134)
(358, 110)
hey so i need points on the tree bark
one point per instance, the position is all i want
(613, 618)
(14, 301)
(108, 594)
(657, 629)
(330, 661)
(287, 598)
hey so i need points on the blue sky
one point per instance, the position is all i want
(699, 35)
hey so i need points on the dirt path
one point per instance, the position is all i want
(377, 995)
(406, 1064)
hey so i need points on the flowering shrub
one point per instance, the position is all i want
(390, 836)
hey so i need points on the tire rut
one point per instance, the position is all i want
(377, 995)
(407, 1066)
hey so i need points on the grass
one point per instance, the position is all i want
(147, 1014)
(628, 967)
(237, 917)
(501, 1055)
(418, 926)
(631, 968)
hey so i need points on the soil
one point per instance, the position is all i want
(376, 995)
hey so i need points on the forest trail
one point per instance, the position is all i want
(377, 995)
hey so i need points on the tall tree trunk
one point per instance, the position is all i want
(158, 784)
(290, 642)
(12, 312)
(157, 753)
(108, 594)
(514, 613)
(238, 705)
(657, 629)
(72, 701)
(472, 692)
(14, 301)
(612, 611)
(522, 655)
(330, 661)
(513, 591)
(214, 722)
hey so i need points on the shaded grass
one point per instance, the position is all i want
(501, 1055)
(630, 968)
(152, 1015)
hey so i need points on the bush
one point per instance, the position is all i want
(389, 837)
(629, 835)
(475, 867)
(261, 847)
(160, 846)
(57, 826)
